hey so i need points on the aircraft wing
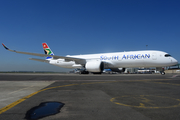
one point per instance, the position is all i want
(77, 60)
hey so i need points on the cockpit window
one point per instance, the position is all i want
(167, 55)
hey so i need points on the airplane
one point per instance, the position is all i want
(96, 63)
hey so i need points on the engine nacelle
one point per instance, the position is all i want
(94, 66)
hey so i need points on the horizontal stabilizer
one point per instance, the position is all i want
(40, 60)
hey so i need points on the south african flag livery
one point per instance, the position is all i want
(47, 50)
(5, 47)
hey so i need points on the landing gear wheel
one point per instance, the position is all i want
(84, 72)
(97, 73)
(163, 73)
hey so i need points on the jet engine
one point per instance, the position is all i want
(94, 66)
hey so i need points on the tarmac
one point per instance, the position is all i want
(88, 97)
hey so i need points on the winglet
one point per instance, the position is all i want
(5, 47)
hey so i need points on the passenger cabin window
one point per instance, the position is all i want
(167, 55)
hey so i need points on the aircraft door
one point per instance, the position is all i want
(154, 56)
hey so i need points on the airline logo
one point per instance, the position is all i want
(136, 56)
(47, 50)
(45, 45)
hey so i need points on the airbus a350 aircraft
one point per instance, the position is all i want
(96, 63)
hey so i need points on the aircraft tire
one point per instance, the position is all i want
(163, 73)
(97, 72)
(84, 72)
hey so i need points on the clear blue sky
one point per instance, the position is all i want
(72, 27)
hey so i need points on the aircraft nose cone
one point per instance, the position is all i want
(174, 61)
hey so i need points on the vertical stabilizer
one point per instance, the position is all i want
(47, 50)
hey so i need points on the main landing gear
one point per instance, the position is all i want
(161, 70)
(84, 72)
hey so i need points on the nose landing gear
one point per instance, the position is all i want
(162, 73)
(161, 70)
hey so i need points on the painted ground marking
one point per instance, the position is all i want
(146, 101)
(4, 109)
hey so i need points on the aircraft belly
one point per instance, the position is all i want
(130, 63)
(66, 64)
(63, 64)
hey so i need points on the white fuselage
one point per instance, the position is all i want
(123, 59)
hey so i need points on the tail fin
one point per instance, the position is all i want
(47, 50)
